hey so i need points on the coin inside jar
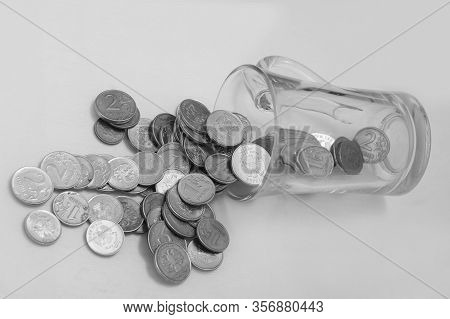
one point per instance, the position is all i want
(315, 161)
(196, 189)
(172, 262)
(250, 163)
(105, 237)
(32, 186)
(42, 227)
(71, 208)
(349, 157)
(374, 144)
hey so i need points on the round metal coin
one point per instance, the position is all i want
(151, 168)
(42, 227)
(172, 262)
(193, 114)
(102, 171)
(130, 124)
(374, 144)
(71, 208)
(158, 122)
(124, 174)
(170, 178)
(105, 207)
(159, 234)
(315, 161)
(182, 210)
(218, 167)
(250, 163)
(108, 134)
(196, 189)
(139, 136)
(105, 237)
(32, 186)
(349, 157)
(115, 106)
(197, 153)
(87, 172)
(225, 128)
(63, 168)
(151, 202)
(179, 227)
(324, 140)
(132, 218)
(213, 235)
(209, 213)
(203, 259)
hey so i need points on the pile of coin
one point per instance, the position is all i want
(181, 163)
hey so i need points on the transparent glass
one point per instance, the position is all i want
(281, 93)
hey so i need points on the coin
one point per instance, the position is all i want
(224, 128)
(151, 168)
(105, 207)
(247, 131)
(209, 213)
(174, 158)
(159, 234)
(315, 161)
(102, 171)
(32, 186)
(203, 259)
(63, 168)
(150, 202)
(349, 157)
(130, 124)
(159, 121)
(325, 140)
(153, 216)
(42, 227)
(170, 178)
(333, 147)
(108, 134)
(177, 132)
(179, 227)
(201, 138)
(374, 144)
(172, 262)
(197, 153)
(196, 189)
(193, 114)
(132, 218)
(170, 147)
(71, 208)
(115, 106)
(105, 237)
(166, 133)
(182, 210)
(87, 172)
(250, 163)
(213, 235)
(293, 146)
(139, 136)
(124, 174)
(218, 167)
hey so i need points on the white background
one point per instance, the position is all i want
(168, 51)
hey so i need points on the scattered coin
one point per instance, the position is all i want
(105, 237)
(139, 136)
(166, 133)
(374, 144)
(315, 161)
(179, 227)
(197, 153)
(182, 210)
(32, 186)
(172, 262)
(209, 213)
(150, 202)
(349, 157)
(225, 128)
(130, 124)
(105, 207)
(102, 171)
(71, 208)
(196, 189)
(159, 234)
(107, 133)
(115, 106)
(250, 163)
(201, 138)
(173, 157)
(203, 259)
(87, 172)
(151, 168)
(213, 235)
(132, 218)
(63, 168)
(42, 227)
(170, 178)
(124, 174)
(158, 122)
(218, 167)
(153, 216)
(193, 114)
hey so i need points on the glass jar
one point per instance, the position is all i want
(281, 94)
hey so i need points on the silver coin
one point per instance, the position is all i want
(42, 227)
(151, 202)
(170, 178)
(159, 234)
(102, 171)
(153, 216)
(197, 153)
(209, 213)
(71, 208)
(63, 168)
(375, 145)
(178, 226)
(203, 259)
(315, 161)
(124, 174)
(105, 237)
(166, 133)
(250, 163)
(107, 133)
(196, 189)
(151, 168)
(115, 106)
(201, 138)
(132, 218)
(158, 122)
(105, 207)
(225, 128)
(182, 210)
(193, 114)
(139, 136)
(130, 124)
(213, 235)
(32, 186)
(325, 140)
(174, 158)
(172, 262)
(293, 146)
(87, 172)
(218, 167)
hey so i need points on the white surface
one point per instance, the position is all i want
(169, 51)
